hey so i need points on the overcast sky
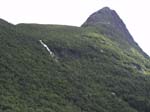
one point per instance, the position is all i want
(135, 14)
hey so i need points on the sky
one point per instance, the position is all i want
(135, 14)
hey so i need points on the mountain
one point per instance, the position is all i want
(111, 25)
(97, 67)
(109, 18)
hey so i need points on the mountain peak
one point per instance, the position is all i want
(109, 19)
(110, 24)
(105, 9)
(105, 16)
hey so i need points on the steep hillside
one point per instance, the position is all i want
(109, 23)
(54, 68)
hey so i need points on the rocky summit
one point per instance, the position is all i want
(112, 25)
(97, 67)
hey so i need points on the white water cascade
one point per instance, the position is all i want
(44, 45)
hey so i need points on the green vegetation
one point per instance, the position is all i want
(90, 72)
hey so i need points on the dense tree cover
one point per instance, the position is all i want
(89, 73)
